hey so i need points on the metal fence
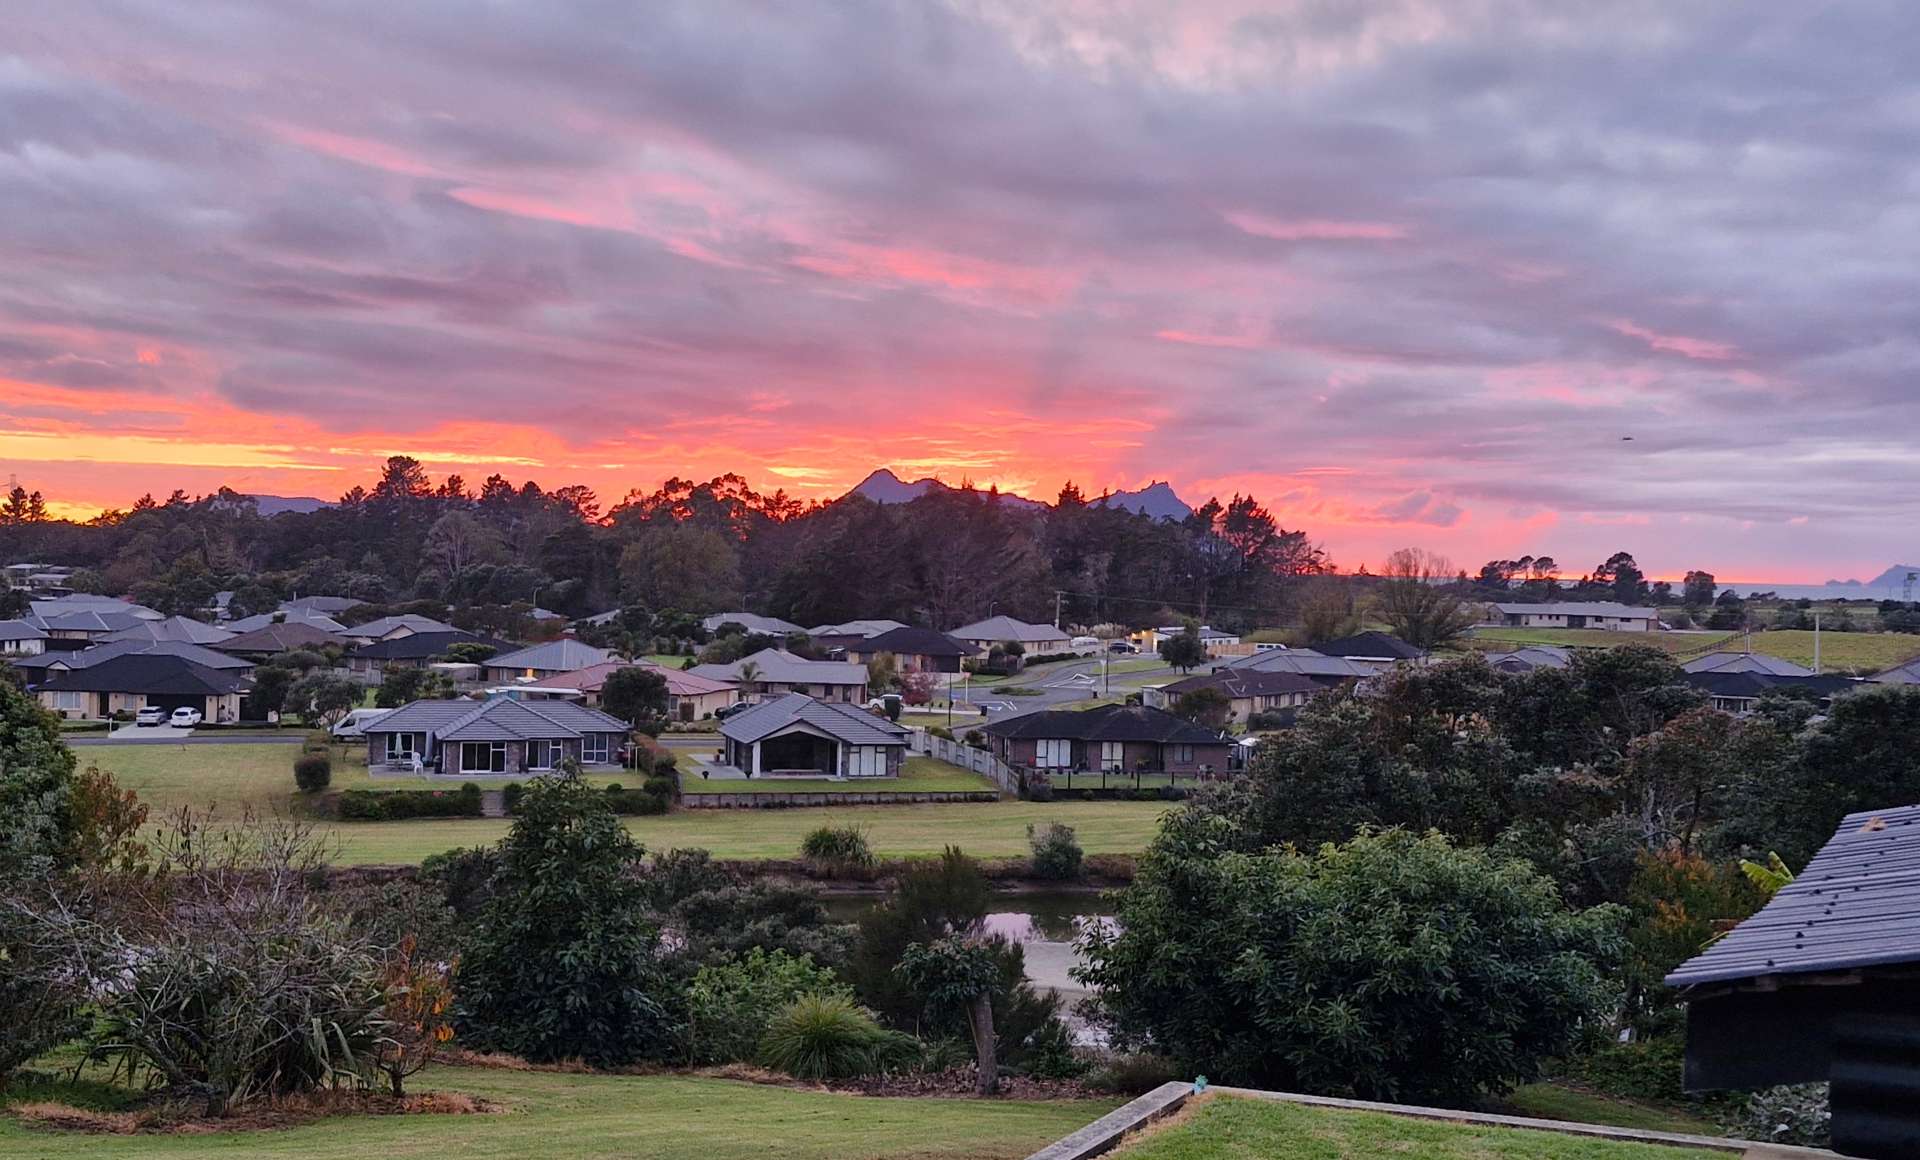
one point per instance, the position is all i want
(1119, 778)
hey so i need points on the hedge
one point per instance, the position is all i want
(655, 798)
(388, 805)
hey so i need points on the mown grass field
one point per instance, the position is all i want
(582, 1117)
(985, 830)
(1229, 1128)
(1858, 652)
(917, 775)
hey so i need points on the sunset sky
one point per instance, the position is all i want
(1411, 272)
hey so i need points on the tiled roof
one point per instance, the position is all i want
(752, 622)
(1371, 644)
(781, 667)
(1237, 683)
(1297, 660)
(497, 719)
(591, 678)
(421, 645)
(999, 628)
(1107, 723)
(1530, 657)
(906, 641)
(861, 628)
(276, 638)
(175, 628)
(149, 673)
(88, 657)
(1733, 662)
(21, 630)
(319, 620)
(322, 604)
(844, 723)
(557, 656)
(1857, 904)
(375, 629)
(1753, 684)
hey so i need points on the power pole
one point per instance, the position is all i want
(1057, 594)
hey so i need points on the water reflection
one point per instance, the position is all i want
(1045, 925)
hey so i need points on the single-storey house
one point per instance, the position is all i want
(86, 624)
(1212, 639)
(1736, 692)
(1530, 657)
(1602, 614)
(795, 735)
(1116, 738)
(689, 697)
(325, 605)
(175, 628)
(319, 620)
(1380, 649)
(495, 736)
(915, 650)
(854, 628)
(1818, 987)
(1736, 662)
(54, 660)
(20, 638)
(1247, 691)
(1323, 669)
(403, 625)
(132, 681)
(771, 672)
(753, 622)
(287, 636)
(542, 660)
(411, 650)
(1035, 638)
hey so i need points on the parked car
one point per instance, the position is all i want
(185, 718)
(731, 710)
(1123, 646)
(150, 715)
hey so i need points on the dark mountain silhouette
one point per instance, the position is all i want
(1156, 499)
(273, 505)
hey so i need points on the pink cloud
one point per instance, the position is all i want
(1702, 349)
(1316, 229)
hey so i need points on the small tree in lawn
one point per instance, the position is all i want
(1184, 651)
(955, 973)
(322, 698)
(419, 995)
(634, 694)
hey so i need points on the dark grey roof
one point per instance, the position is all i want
(88, 621)
(1734, 662)
(1298, 660)
(277, 638)
(497, 719)
(183, 628)
(1748, 683)
(150, 673)
(1107, 723)
(1902, 674)
(421, 645)
(110, 650)
(323, 604)
(375, 629)
(909, 641)
(843, 723)
(1529, 657)
(1857, 904)
(752, 622)
(318, 620)
(1004, 628)
(20, 630)
(1371, 644)
(1236, 683)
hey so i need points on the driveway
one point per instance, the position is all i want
(148, 733)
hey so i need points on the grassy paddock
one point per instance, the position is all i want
(581, 1117)
(1867, 652)
(985, 830)
(1228, 1128)
(1502, 639)
(917, 775)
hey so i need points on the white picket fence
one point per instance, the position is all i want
(967, 757)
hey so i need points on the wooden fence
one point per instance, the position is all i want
(966, 757)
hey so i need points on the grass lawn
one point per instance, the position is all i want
(918, 774)
(665, 660)
(985, 830)
(1229, 1128)
(1865, 652)
(576, 1117)
(1552, 1101)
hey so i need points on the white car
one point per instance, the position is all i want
(185, 718)
(150, 715)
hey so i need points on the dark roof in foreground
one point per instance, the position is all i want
(1857, 904)
(150, 673)
(283, 637)
(1370, 644)
(422, 645)
(1747, 683)
(911, 641)
(1107, 723)
(1238, 683)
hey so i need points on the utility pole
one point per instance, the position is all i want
(1057, 594)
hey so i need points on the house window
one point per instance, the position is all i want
(401, 746)
(544, 754)
(483, 757)
(71, 699)
(1113, 754)
(1053, 753)
(593, 749)
(1183, 755)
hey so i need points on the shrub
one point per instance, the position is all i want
(1269, 721)
(510, 796)
(975, 739)
(837, 849)
(662, 786)
(312, 772)
(730, 1004)
(1056, 851)
(636, 801)
(1038, 788)
(1048, 1053)
(1790, 1114)
(565, 959)
(664, 764)
(1645, 1069)
(1393, 967)
(390, 805)
(940, 731)
(1133, 1073)
(830, 1037)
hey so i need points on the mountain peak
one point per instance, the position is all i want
(1157, 499)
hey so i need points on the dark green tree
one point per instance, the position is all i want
(1184, 650)
(565, 959)
(635, 694)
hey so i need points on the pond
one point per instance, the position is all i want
(1046, 925)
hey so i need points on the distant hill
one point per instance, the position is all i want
(1156, 499)
(883, 486)
(273, 505)
(1893, 577)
